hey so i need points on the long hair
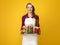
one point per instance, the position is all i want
(32, 7)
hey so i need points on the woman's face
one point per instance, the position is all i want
(29, 8)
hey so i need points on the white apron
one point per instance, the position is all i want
(29, 39)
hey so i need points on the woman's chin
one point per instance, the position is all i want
(29, 11)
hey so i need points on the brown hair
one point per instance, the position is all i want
(32, 7)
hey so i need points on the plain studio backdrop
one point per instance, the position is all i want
(11, 12)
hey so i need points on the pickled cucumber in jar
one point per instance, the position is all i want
(30, 29)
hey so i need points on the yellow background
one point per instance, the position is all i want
(11, 12)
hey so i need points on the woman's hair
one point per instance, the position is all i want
(32, 7)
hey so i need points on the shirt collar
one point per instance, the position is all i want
(28, 17)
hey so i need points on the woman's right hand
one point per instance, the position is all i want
(23, 31)
(24, 27)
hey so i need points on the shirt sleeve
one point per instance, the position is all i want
(37, 24)
(23, 19)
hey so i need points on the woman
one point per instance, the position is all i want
(30, 19)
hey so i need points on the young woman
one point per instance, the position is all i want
(30, 19)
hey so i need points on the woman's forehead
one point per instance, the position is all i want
(29, 5)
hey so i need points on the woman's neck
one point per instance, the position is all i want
(30, 14)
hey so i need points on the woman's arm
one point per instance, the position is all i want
(23, 25)
(37, 26)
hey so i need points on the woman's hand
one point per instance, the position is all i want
(36, 27)
(24, 27)
(36, 30)
(23, 30)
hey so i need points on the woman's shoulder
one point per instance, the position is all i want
(36, 16)
(24, 16)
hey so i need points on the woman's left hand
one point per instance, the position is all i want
(36, 27)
